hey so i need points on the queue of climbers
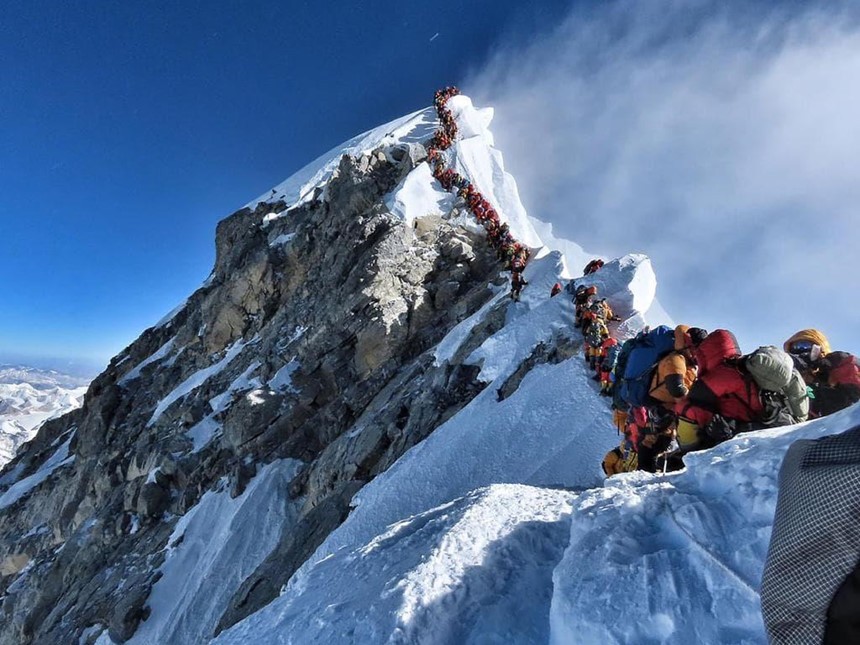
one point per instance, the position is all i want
(673, 390)
(514, 254)
(684, 389)
(679, 390)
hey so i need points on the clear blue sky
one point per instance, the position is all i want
(129, 129)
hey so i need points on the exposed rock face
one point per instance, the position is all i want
(309, 341)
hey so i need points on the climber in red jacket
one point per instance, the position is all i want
(723, 400)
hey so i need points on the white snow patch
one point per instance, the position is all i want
(159, 354)
(282, 381)
(39, 529)
(171, 315)
(419, 195)
(476, 570)
(255, 397)
(202, 432)
(281, 240)
(242, 383)
(89, 632)
(57, 460)
(446, 349)
(196, 380)
(223, 541)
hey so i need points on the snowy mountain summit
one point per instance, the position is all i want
(351, 434)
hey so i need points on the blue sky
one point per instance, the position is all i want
(694, 132)
(131, 129)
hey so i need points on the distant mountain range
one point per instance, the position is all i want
(28, 397)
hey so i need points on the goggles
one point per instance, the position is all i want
(801, 347)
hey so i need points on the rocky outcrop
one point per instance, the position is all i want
(310, 340)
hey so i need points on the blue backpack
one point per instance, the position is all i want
(648, 348)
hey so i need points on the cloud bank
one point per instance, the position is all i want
(721, 139)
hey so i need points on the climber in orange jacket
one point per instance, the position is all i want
(676, 371)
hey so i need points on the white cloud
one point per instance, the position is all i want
(723, 142)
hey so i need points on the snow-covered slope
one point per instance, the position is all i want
(658, 559)
(28, 398)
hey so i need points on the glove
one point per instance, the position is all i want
(619, 418)
(720, 429)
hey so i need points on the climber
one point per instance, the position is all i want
(582, 299)
(676, 371)
(595, 330)
(610, 349)
(595, 333)
(622, 459)
(592, 266)
(655, 438)
(833, 377)
(517, 280)
(722, 401)
(556, 289)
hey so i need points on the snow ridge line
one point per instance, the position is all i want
(499, 236)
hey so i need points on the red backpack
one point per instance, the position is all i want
(844, 369)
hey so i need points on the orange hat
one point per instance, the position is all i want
(811, 335)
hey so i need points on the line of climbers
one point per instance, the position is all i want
(499, 237)
(679, 390)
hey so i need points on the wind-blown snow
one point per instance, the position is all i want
(58, 459)
(474, 157)
(215, 554)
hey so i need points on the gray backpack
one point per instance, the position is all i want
(773, 370)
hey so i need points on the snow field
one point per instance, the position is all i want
(213, 548)
(299, 187)
(456, 574)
